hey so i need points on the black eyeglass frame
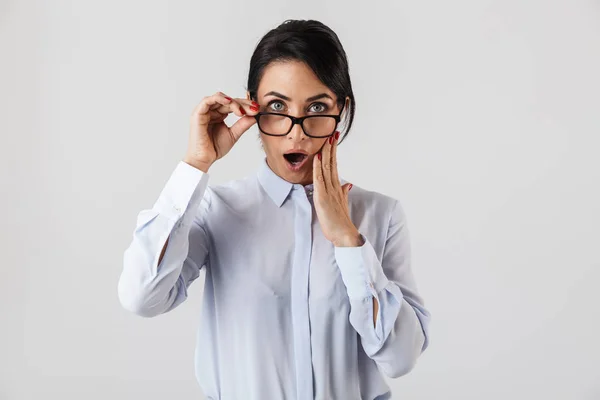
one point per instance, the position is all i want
(300, 120)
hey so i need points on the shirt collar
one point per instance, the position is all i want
(276, 187)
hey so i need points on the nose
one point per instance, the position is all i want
(296, 134)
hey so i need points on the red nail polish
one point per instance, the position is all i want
(350, 188)
(319, 155)
(255, 103)
(337, 135)
(330, 139)
(242, 111)
(228, 98)
(254, 108)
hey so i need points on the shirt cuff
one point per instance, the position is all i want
(361, 270)
(184, 190)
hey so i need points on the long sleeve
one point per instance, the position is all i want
(401, 328)
(145, 287)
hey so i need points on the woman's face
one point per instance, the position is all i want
(285, 88)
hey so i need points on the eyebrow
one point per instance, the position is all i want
(316, 97)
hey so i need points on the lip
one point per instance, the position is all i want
(296, 151)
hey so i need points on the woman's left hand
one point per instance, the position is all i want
(331, 199)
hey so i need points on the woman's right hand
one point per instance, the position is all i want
(210, 138)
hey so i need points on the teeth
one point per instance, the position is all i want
(296, 162)
(296, 159)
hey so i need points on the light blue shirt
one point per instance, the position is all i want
(285, 313)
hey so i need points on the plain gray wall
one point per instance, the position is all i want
(482, 117)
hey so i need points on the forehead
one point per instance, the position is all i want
(294, 79)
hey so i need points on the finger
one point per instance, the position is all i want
(250, 103)
(207, 103)
(241, 126)
(239, 100)
(232, 107)
(318, 180)
(250, 106)
(216, 116)
(218, 105)
(240, 107)
(224, 95)
(346, 189)
(335, 180)
(224, 104)
(326, 164)
(202, 112)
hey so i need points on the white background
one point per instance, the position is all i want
(482, 117)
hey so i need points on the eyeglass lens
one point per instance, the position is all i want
(280, 125)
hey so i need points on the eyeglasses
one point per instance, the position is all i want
(315, 126)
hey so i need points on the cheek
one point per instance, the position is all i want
(320, 146)
(276, 146)
(273, 147)
(267, 143)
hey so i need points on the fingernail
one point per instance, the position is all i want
(255, 103)
(254, 108)
(337, 135)
(330, 139)
(242, 111)
(228, 98)
(350, 188)
(319, 155)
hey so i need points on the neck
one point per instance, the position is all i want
(299, 178)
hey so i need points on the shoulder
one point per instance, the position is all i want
(372, 199)
(232, 192)
(371, 205)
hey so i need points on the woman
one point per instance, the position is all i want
(309, 292)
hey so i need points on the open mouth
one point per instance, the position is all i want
(295, 160)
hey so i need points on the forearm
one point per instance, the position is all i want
(154, 277)
(391, 323)
(398, 337)
(147, 285)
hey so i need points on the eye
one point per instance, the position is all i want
(320, 107)
(276, 103)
